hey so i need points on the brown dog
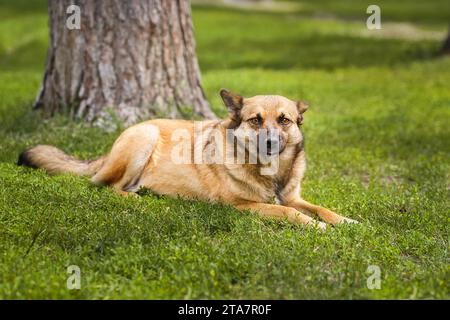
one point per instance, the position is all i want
(261, 169)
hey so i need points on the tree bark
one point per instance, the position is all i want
(446, 47)
(135, 58)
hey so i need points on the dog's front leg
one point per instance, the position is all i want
(281, 212)
(324, 213)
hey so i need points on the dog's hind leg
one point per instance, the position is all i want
(129, 155)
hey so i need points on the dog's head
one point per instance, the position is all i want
(274, 119)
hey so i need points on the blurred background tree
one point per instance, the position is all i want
(446, 46)
(134, 58)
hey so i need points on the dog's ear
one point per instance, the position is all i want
(302, 106)
(233, 102)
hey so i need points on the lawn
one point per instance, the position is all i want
(378, 149)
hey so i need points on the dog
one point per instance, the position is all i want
(174, 158)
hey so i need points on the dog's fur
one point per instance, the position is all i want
(142, 157)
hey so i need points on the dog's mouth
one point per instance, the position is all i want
(271, 152)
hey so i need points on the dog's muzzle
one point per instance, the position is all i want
(271, 143)
(273, 146)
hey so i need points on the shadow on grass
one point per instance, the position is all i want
(17, 7)
(29, 56)
(313, 52)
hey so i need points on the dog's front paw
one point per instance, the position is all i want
(322, 226)
(348, 220)
(318, 225)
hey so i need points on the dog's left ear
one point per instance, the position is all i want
(234, 103)
(302, 106)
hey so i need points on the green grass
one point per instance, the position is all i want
(378, 145)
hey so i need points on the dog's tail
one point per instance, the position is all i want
(55, 161)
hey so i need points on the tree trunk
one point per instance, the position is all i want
(131, 58)
(446, 47)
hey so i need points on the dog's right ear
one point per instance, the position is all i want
(233, 102)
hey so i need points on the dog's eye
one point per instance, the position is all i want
(284, 121)
(254, 121)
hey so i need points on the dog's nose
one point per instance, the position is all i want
(273, 145)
